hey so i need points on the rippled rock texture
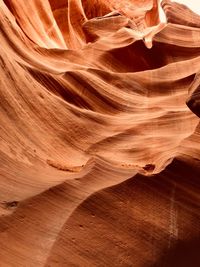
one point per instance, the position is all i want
(99, 134)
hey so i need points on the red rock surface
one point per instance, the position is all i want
(99, 134)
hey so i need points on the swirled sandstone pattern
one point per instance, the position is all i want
(99, 134)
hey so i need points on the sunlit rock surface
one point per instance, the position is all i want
(99, 134)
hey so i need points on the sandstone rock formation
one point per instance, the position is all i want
(99, 134)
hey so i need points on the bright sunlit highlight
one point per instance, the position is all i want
(194, 5)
